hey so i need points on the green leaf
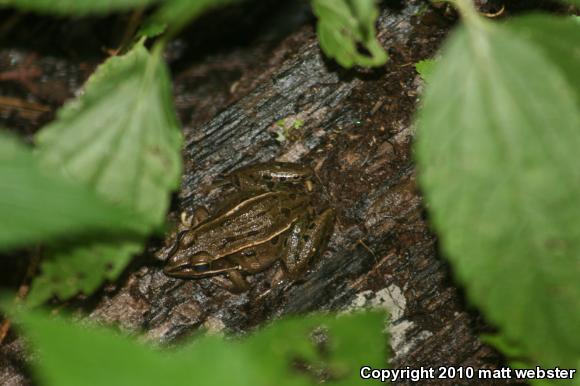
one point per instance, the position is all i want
(66, 271)
(575, 3)
(425, 68)
(345, 344)
(509, 349)
(151, 28)
(36, 205)
(177, 13)
(498, 135)
(70, 354)
(346, 31)
(121, 137)
(558, 38)
(75, 7)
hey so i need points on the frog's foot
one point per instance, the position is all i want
(198, 216)
(235, 282)
(306, 239)
(171, 244)
(279, 277)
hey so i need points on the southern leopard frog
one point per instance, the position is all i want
(271, 218)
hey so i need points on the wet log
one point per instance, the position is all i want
(356, 132)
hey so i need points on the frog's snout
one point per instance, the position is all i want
(174, 265)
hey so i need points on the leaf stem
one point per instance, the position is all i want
(468, 12)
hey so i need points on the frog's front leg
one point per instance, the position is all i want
(306, 239)
(235, 282)
(268, 176)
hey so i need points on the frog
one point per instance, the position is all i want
(270, 217)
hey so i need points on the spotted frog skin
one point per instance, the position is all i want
(270, 218)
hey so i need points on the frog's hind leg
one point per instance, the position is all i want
(271, 176)
(306, 239)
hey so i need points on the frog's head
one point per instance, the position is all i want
(200, 264)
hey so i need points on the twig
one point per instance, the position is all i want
(361, 242)
(129, 33)
(494, 14)
(27, 110)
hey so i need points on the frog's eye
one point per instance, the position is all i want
(201, 267)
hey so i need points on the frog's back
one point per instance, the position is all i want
(247, 222)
